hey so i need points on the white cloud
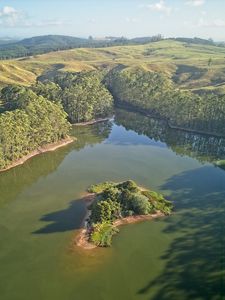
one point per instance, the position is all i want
(214, 23)
(159, 7)
(91, 20)
(131, 20)
(195, 2)
(47, 23)
(10, 17)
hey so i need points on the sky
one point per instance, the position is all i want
(99, 18)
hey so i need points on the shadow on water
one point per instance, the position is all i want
(64, 220)
(71, 218)
(195, 260)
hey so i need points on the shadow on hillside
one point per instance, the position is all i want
(195, 261)
(64, 220)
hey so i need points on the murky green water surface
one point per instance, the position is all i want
(176, 257)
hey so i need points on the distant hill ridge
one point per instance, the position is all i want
(47, 43)
(39, 45)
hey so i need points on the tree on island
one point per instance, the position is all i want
(115, 201)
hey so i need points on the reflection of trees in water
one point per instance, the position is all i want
(91, 135)
(15, 180)
(195, 260)
(202, 147)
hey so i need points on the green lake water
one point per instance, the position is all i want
(177, 257)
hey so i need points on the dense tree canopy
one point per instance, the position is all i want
(13, 97)
(154, 93)
(48, 90)
(84, 96)
(32, 122)
(34, 116)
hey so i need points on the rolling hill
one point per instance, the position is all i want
(197, 67)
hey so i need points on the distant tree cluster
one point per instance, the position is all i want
(44, 44)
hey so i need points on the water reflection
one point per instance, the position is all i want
(152, 132)
(91, 135)
(202, 147)
(13, 182)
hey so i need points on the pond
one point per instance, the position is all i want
(177, 257)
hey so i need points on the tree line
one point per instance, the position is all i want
(30, 122)
(38, 115)
(155, 94)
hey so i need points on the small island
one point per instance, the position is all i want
(113, 204)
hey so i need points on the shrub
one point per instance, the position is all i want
(99, 188)
(102, 234)
(158, 202)
(129, 185)
(140, 204)
(105, 211)
(112, 193)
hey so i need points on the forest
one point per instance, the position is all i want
(153, 93)
(82, 95)
(41, 114)
(29, 121)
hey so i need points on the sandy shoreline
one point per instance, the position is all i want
(81, 240)
(46, 148)
(91, 122)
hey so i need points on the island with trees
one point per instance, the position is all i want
(113, 204)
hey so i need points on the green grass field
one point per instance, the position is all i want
(187, 64)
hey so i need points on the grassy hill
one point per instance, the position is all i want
(192, 66)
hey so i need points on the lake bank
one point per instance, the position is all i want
(92, 122)
(152, 115)
(47, 148)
